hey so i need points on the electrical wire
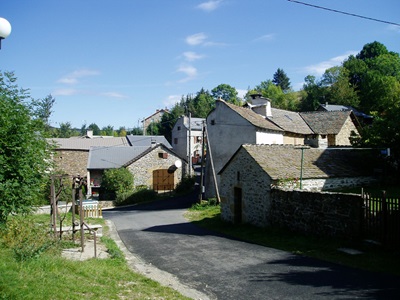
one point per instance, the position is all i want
(345, 13)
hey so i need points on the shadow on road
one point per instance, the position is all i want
(343, 281)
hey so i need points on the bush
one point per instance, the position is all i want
(186, 185)
(118, 182)
(141, 194)
(26, 238)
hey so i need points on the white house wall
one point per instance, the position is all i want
(269, 138)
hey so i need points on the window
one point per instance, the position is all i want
(212, 122)
(175, 141)
(163, 155)
(179, 128)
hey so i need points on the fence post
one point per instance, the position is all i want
(384, 217)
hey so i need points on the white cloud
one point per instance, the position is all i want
(265, 38)
(192, 56)
(241, 93)
(394, 28)
(189, 71)
(320, 68)
(209, 5)
(64, 92)
(72, 78)
(196, 39)
(113, 95)
(172, 100)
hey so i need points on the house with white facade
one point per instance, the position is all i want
(230, 126)
(187, 138)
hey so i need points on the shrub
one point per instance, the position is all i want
(186, 185)
(118, 182)
(140, 194)
(26, 238)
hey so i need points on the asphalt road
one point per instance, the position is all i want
(225, 268)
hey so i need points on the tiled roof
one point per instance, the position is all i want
(113, 157)
(325, 122)
(290, 121)
(284, 161)
(147, 140)
(82, 143)
(254, 118)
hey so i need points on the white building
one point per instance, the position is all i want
(182, 133)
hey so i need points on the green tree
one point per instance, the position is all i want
(121, 131)
(66, 130)
(203, 104)
(338, 90)
(24, 152)
(96, 129)
(227, 93)
(107, 130)
(136, 131)
(282, 80)
(314, 94)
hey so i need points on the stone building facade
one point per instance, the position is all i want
(254, 170)
(159, 162)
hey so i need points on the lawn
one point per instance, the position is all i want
(50, 276)
(373, 257)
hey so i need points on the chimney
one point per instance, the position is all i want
(89, 134)
(261, 105)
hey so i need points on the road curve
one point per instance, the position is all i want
(225, 268)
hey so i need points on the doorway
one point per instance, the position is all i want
(237, 198)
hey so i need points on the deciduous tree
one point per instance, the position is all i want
(24, 152)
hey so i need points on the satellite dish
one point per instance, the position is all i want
(178, 164)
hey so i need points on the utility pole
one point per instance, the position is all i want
(202, 165)
(209, 153)
(190, 145)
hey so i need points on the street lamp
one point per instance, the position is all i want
(301, 164)
(5, 29)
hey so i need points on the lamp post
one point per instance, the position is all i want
(301, 164)
(5, 29)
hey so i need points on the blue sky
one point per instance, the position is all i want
(114, 62)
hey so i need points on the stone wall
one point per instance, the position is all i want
(143, 168)
(71, 162)
(326, 184)
(245, 174)
(317, 213)
(342, 137)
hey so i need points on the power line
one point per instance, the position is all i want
(345, 13)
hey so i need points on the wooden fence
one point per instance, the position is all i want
(382, 219)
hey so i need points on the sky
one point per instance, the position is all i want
(115, 62)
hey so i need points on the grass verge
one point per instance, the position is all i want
(50, 276)
(373, 258)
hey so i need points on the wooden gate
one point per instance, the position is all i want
(163, 180)
(382, 219)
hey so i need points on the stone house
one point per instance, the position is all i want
(154, 118)
(229, 126)
(183, 132)
(156, 167)
(254, 170)
(71, 154)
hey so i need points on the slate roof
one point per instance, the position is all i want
(284, 161)
(83, 143)
(325, 122)
(290, 121)
(334, 107)
(195, 123)
(113, 157)
(147, 140)
(254, 118)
